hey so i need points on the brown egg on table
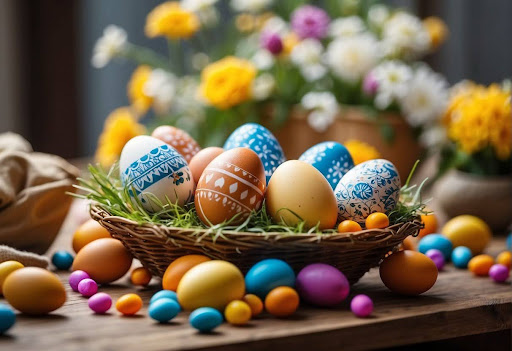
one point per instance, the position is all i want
(232, 184)
(87, 232)
(202, 159)
(105, 260)
(34, 291)
(178, 139)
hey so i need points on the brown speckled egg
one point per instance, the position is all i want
(178, 139)
(232, 183)
(202, 159)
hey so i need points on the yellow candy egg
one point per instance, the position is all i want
(7, 268)
(504, 258)
(480, 265)
(211, 284)
(469, 231)
(238, 312)
(254, 303)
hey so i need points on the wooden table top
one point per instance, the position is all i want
(458, 305)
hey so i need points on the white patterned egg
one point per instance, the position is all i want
(332, 159)
(372, 186)
(149, 167)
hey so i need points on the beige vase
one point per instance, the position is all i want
(487, 197)
(297, 136)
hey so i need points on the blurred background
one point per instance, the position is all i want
(50, 93)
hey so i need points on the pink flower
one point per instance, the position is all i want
(370, 84)
(310, 22)
(272, 42)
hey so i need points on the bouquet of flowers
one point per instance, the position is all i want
(256, 60)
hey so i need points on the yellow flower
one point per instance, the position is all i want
(245, 23)
(120, 126)
(228, 82)
(437, 30)
(172, 21)
(139, 100)
(289, 42)
(361, 152)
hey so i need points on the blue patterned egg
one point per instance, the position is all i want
(154, 170)
(372, 186)
(332, 160)
(260, 140)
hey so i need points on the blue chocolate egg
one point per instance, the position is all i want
(7, 318)
(436, 241)
(461, 256)
(205, 319)
(267, 275)
(164, 309)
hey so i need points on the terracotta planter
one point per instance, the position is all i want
(489, 198)
(297, 136)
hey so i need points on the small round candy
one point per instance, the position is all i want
(361, 305)
(205, 319)
(164, 294)
(461, 256)
(436, 256)
(505, 258)
(282, 301)
(129, 304)
(100, 302)
(62, 260)
(7, 318)
(254, 303)
(76, 277)
(140, 276)
(238, 312)
(87, 287)
(164, 309)
(377, 220)
(348, 226)
(499, 273)
(480, 265)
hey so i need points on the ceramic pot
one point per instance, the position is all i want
(487, 197)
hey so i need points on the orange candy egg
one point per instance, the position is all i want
(178, 139)
(282, 301)
(88, 232)
(377, 220)
(430, 223)
(505, 258)
(129, 304)
(348, 226)
(202, 159)
(178, 268)
(140, 276)
(254, 303)
(480, 265)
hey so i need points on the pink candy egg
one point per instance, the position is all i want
(100, 302)
(322, 285)
(499, 273)
(76, 277)
(361, 306)
(436, 256)
(87, 287)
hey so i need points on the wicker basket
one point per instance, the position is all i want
(156, 246)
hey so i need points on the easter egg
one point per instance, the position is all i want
(499, 273)
(254, 303)
(34, 291)
(377, 220)
(437, 257)
(202, 159)
(238, 312)
(105, 260)
(177, 269)
(7, 318)
(87, 287)
(348, 226)
(155, 172)
(332, 160)
(298, 192)
(211, 284)
(436, 241)
(205, 319)
(180, 140)
(62, 260)
(267, 275)
(129, 304)
(480, 265)
(322, 285)
(282, 301)
(409, 243)
(361, 305)
(7, 268)
(100, 302)
(164, 294)
(430, 225)
(232, 184)
(504, 258)
(371, 186)
(509, 242)
(260, 140)
(408, 272)
(164, 309)
(469, 231)
(461, 256)
(76, 277)
(140, 276)
(87, 232)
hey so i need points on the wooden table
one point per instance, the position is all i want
(459, 305)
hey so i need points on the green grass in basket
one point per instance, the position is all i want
(105, 188)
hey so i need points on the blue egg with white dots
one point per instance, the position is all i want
(7, 318)
(62, 260)
(267, 275)
(461, 256)
(332, 159)
(205, 319)
(260, 140)
(509, 242)
(164, 309)
(436, 241)
(164, 294)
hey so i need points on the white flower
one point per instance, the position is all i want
(252, 6)
(263, 60)
(377, 15)
(112, 43)
(346, 26)
(161, 86)
(393, 81)
(352, 57)
(404, 35)
(307, 55)
(200, 60)
(426, 97)
(204, 9)
(323, 107)
(263, 86)
(276, 25)
(433, 136)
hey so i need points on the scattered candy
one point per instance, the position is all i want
(140, 276)
(129, 304)
(499, 273)
(254, 303)
(361, 305)
(282, 301)
(436, 241)
(480, 265)
(100, 302)
(76, 277)
(348, 226)
(322, 285)
(377, 220)
(62, 260)
(505, 258)
(461, 256)
(436, 256)
(164, 294)
(164, 309)
(267, 275)
(205, 319)
(7, 268)
(87, 287)
(238, 312)
(7, 318)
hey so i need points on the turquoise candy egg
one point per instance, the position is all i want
(332, 160)
(62, 260)
(436, 241)
(162, 294)
(260, 140)
(461, 256)
(164, 309)
(205, 319)
(509, 242)
(267, 275)
(7, 318)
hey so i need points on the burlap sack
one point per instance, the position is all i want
(33, 200)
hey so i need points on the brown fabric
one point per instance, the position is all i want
(33, 200)
(26, 258)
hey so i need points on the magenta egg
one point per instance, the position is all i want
(436, 256)
(100, 302)
(322, 285)
(499, 273)
(87, 287)
(361, 305)
(76, 277)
